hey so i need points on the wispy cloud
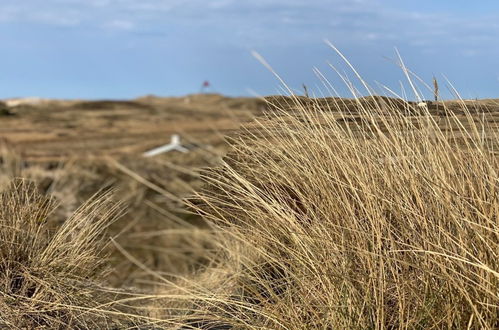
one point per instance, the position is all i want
(261, 21)
(118, 24)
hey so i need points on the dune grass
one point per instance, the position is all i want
(53, 277)
(388, 221)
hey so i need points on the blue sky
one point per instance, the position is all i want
(128, 48)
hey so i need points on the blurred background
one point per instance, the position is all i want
(126, 48)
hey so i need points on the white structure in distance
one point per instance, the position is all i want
(423, 105)
(173, 145)
(15, 102)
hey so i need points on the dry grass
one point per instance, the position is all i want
(59, 203)
(387, 222)
(52, 278)
(155, 227)
(326, 214)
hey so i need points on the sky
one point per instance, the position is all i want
(122, 49)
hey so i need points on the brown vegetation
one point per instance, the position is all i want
(53, 277)
(384, 223)
(325, 213)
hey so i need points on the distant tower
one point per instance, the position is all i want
(206, 85)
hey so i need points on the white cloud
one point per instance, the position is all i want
(9, 13)
(63, 19)
(468, 52)
(372, 36)
(118, 24)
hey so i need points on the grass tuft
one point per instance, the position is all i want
(51, 277)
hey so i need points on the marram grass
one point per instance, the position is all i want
(386, 221)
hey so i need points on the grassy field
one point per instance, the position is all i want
(293, 213)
